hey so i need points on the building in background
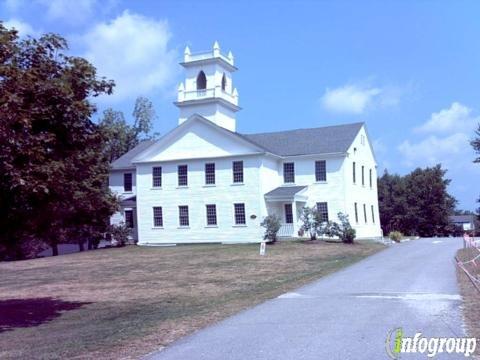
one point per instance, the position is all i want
(467, 223)
(205, 182)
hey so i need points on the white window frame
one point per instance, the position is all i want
(207, 179)
(178, 175)
(180, 216)
(161, 216)
(206, 215)
(235, 213)
(292, 173)
(156, 177)
(325, 171)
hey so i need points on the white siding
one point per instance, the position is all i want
(224, 194)
(362, 194)
(198, 144)
(115, 182)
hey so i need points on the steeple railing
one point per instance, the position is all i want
(216, 92)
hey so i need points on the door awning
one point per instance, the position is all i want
(287, 193)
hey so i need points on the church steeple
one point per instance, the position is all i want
(208, 88)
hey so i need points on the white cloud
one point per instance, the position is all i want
(73, 12)
(449, 132)
(134, 51)
(457, 118)
(433, 150)
(349, 99)
(22, 27)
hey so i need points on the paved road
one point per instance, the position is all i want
(346, 315)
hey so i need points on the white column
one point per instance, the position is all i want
(295, 219)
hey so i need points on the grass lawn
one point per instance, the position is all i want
(471, 296)
(126, 302)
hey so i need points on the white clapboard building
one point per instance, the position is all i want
(205, 182)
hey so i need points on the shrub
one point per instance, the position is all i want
(272, 224)
(311, 221)
(120, 233)
(395, 236)
(344, 230)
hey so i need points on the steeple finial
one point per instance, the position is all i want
(216, 49)
(186, 53)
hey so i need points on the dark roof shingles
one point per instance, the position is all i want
(285, 191)
(125, 161)
(323, 140)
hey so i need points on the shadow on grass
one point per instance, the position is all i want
(21, 313)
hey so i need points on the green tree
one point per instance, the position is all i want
(392, 200)
(476, 146)
(120, 234)
(52, 173)
(432, 204)
(344, 230)
(122, 137)
(311, 221)
(417, 203)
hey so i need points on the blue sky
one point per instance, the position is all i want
(410, 70)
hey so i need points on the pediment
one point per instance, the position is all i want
(197, 138)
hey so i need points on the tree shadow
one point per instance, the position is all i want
(21, 313)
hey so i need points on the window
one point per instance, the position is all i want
(322, 208)
(362, 139)
(237, 168)
(373, 215)
(127, 182)
(157, 176)
(363, 175)
(224, 82)
(210, 174)
(288, 214)
(157, 216)
(129, 218)
(289, 172)
(320, 170)
(370, 177)
(356, 213)
(183, 215)
(365, 213)
(211, 215)
(354, 173)
(239, 214)
(201, 81)
(182, 175)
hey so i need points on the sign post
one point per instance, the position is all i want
(262, 248)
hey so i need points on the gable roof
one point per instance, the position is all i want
(125, 161)
(140, 156)
(321, 140)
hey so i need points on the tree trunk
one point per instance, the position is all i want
(54, 249)
(89, 244)
(81, 246)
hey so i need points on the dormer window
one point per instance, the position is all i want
(201, 81)
(224, 82)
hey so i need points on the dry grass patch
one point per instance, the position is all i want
(122, 303)
(471, 296)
